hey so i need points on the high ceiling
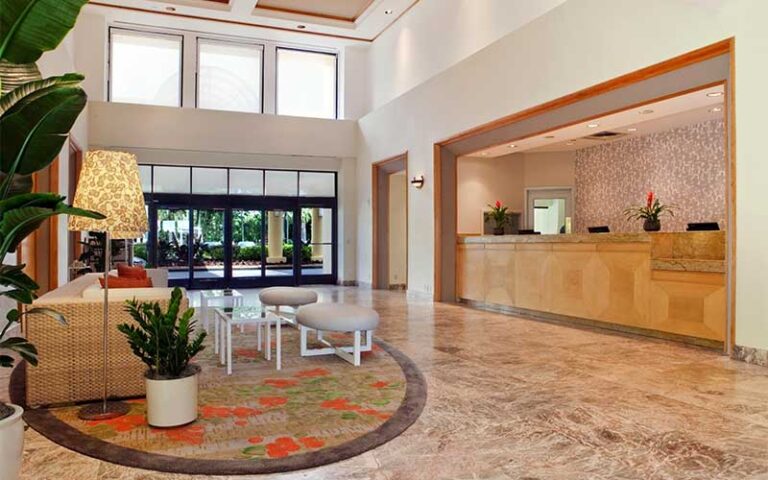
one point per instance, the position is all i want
(351, 20)
(687, 109)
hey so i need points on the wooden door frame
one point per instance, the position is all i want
(74, 249)
(378, 169)
(444, 160)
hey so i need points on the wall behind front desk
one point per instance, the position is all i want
(684, 167)
(482, 181)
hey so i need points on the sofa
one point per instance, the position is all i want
(71, 357)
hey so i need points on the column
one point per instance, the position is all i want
(275, 237)
(317, 236)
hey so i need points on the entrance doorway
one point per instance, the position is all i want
(240, 239)
(547, 209)
(390, 223)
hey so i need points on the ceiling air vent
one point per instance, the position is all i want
(605, 135)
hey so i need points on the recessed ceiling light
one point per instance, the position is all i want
(570, 143)
(593, 125)
(512, 145)
(388, 11)
(716, 109)
(484, 154)
(170, 9)
(647, 111)
(631, 129)
(301, 27)
(715, 94)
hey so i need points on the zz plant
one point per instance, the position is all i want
(163, 340)
(36, 116)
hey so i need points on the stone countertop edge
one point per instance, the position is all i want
(688, 265)
(559, 238)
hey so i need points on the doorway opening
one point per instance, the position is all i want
(547, 209)
(390, 223)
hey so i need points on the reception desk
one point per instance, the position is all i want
(669, 285)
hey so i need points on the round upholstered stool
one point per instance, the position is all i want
(337, 317)
(287, 297)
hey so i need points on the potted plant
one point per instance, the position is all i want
(164, 342)
(498, 214)
(35, 117)
(650, 213)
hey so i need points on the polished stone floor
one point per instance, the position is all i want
(513, 398)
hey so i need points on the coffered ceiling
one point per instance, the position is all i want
(351, 20)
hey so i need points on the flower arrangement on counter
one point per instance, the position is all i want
(498, 214)
(650, 213)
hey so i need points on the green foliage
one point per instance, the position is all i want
(140, 250)
(35, 119)
(163, 340)
(30, 27)
(306, 252)
(652, 210)
(248, 254)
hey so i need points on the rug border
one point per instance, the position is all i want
(59, 432)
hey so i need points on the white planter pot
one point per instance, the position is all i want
(11, 444)
(171, 403)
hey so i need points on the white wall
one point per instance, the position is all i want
(579, 44)
(58, 62)
(436, 34)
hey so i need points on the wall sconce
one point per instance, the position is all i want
(418, 181)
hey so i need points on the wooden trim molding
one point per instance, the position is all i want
(306, 13)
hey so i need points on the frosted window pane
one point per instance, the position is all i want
(229, 76)
(145, 173)
(209, 181)
(246, 182)
(316, 184)
(146, 68)
(306, 84)
(171, 180)
(280, 183)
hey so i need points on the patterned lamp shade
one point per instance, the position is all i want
(109, 184)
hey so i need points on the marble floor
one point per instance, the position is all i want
(513, 398)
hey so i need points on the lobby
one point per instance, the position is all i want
(509, 239)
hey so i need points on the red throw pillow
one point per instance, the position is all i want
(125, 270)
(127, 282)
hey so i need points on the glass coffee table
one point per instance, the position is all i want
(229, 297)
(226, 317)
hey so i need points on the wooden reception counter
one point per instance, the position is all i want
(669, 285)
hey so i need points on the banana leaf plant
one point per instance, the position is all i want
(35, 120)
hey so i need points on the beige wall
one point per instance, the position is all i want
(482, 181)
(398, 239)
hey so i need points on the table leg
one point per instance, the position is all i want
(259, 327)
(216, 332)
(279, 343)
(268, 345)
(204, 310)
(222, 337)
(238, 302)
(229, 348)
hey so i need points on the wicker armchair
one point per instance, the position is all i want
(71, 359)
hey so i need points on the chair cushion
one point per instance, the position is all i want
(337, 317)
(287, 296)
(126, 271)
(126, 282)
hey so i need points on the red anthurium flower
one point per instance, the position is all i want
(498, 203)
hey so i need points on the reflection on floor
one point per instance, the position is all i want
(512, 398)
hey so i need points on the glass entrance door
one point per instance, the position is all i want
(172, 250)
(208, 255)
(247, 245)
(270, 243)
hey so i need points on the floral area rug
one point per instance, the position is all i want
(316, 410)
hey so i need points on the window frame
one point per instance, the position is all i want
(150, 33)
(216, 39)
(335, 56)
(189, 64)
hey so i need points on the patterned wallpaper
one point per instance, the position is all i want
(685, 167)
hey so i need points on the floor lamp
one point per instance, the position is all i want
(109, 184)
